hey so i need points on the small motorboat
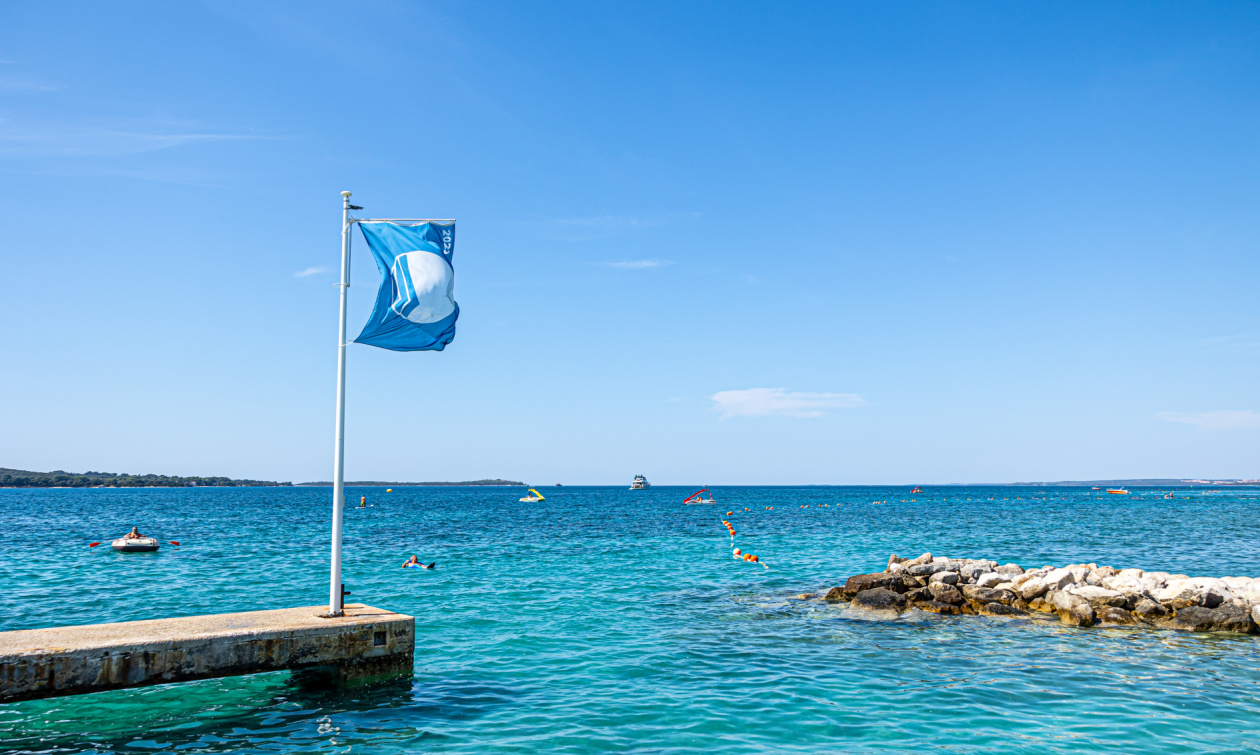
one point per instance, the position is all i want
(533, 497)
(697, 497)
(135, 545)
(1117, 491)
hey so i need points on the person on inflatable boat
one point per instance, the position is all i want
(133, 535)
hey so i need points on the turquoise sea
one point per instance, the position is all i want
(605, 620)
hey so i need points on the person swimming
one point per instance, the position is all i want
(414, 563)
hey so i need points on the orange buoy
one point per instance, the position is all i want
(729, 513)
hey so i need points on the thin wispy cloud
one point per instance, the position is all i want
(1221, 419)
(625, 222)
(591, 227)
(309, 272)
(610, 222)
(1236, 342)
(45, 140)
(15, 83)
(637, 264)
(780, 402)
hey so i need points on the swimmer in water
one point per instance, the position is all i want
(414, 563)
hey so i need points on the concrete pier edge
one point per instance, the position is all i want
(364, 645)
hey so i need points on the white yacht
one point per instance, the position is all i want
(640, 483)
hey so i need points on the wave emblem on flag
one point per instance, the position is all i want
(424, 286)
(415, 305)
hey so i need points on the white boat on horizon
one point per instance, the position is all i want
(640, 483)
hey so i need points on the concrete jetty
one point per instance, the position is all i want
(365, 643)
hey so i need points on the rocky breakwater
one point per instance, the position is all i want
(1078, 594)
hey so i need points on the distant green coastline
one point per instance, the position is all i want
(21, 478)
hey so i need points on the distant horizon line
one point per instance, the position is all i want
(1133, 482)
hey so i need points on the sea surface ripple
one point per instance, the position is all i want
(606, 620)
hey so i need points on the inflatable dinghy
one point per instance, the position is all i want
(135, 545)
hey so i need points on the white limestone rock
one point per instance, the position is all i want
(1060, 578)
(989, 579)
(1031, 588)
(925, 570)
(975, 569)
(1098, 597)
(1184, 593)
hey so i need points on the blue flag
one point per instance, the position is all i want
(415, 306)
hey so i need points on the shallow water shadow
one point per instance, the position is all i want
(263, 712)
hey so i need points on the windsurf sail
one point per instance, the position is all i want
(695, 495)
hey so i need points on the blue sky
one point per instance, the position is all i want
(711, 243)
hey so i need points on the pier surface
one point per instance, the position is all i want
(365, 643)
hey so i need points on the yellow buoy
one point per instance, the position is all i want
(389, 490)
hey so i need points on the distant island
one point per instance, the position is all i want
(379, 484)
(21, 478)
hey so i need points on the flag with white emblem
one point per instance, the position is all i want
(415, 306)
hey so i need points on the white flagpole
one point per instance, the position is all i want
(339, 463)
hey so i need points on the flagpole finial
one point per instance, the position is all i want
(345, 194)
